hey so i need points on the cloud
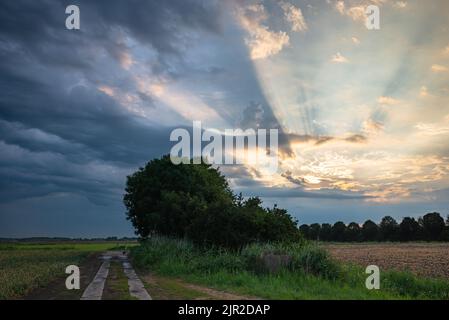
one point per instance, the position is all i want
(338, 58)
(322, 140)
(400, 4)
(372, 127)
(355, 40)
(423, 92)
(81, 110)
(262, 42)
(433, 129)
(388, 101)
(340, 6)
(107, 90)
(317, 140)
(356, 138)
(355, 9)
(126, 60)
(254, 117)
(278, 192)
(294, 16)
(161, 25)
(357, 13)
(439, 68)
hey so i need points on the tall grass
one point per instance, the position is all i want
(181, 255)
(309, 274)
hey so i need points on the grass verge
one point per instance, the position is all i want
(116, 286)
(163, 288)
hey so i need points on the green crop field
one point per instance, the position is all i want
(25, 266)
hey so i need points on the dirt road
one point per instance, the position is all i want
(95, 289)
(110, 276)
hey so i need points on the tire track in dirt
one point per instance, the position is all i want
(95, 289)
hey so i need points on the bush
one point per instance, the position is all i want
(314, 260)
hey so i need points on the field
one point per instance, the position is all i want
(25, 267)
(176, 269)
(423, 259)
(312, 274)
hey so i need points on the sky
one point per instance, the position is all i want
(363, 114)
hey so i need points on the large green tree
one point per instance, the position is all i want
(164, 198)
(195, 202)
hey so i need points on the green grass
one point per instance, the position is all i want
(162, 288)
(311, 274)
(24, 267)
(116, 287)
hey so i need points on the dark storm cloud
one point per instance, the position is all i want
(161, 24)
(61, 138)
(38, 27)
(59, 133)
(37, 52)
(51, 117)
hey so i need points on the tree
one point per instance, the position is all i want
(434, 226)
(370, 231)
(195, 202)
(279, 226)
(164, 198)
(314, 232)
(446, 231)
(326, 232)
(338, 231)
(353, 232)
(409, 230)
(389, 229)
(305, 231)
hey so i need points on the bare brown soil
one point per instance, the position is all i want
(423, 259)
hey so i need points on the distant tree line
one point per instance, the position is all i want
(430, 227)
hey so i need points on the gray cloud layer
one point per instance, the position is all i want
(66, 147)
(60, 138)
